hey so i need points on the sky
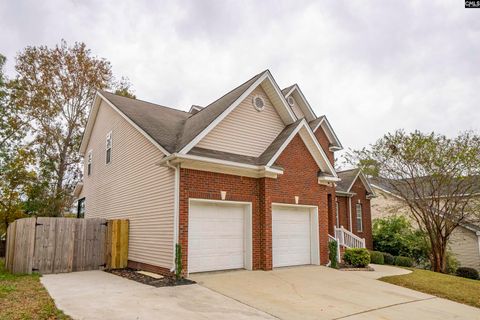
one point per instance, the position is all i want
(370, 66)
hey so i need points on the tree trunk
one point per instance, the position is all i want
(439, 261)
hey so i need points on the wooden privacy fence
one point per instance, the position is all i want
(56, 245)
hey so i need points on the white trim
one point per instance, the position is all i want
(302, 96)
(176, 210)
(304, 124)
(248, 258)
(93, 115)
(174, 156)
(365, 182)
(237, 102)
(478, 236)
(350, 213)
(314, 234)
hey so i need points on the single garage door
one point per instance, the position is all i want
(291, 236)
(216, 236)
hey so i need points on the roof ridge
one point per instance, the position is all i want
(204, 108)
(144, 101)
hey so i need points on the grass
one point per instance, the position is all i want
(446, 286)
(24, 297)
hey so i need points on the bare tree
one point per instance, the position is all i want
(436, 177)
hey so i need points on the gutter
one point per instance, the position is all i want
(176, 211)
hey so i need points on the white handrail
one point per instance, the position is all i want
(348, 239)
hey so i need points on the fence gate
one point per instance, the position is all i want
(56, 245)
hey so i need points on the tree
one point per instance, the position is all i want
(54, 89)
(436, 177)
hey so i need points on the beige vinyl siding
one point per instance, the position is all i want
(245, 131)
(296, 110)
(464, 244)
(131, 186)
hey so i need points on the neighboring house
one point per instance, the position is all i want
(464, 242)
(245, 182)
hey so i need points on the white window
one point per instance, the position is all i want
(89, 162)
(359, 218)
(337, 214)
(108, 148)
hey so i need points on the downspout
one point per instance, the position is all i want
(175, 209)
(350, 213)
(478, 236)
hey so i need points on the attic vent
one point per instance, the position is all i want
(258, 103)
(290, 101)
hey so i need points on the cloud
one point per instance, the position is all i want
(370, 66)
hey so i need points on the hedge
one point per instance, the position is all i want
(388, 258)
(466, 272)
(403, 261)
(376, 257)
(357, 257)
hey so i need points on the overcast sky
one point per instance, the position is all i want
(369, 66)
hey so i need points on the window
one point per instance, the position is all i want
(337, 215)
(258, 103)
(81, 208)
(359, 218)
(89, 162)
(108, 154)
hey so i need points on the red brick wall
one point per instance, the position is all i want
(299, 179)
(343, 212)
(361, 194)
(323, 140)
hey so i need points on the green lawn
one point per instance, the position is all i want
(24, 297)
(441, 285)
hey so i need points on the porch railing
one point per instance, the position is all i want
(348, 239)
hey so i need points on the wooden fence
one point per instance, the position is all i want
(56, 245)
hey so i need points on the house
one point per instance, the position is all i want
(245, 182)
(464, 242)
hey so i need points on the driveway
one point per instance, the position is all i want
(314, 292)
(99, 295)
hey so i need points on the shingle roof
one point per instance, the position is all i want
(287, 89)
(161, 123)
(347, 176)
(315, 122)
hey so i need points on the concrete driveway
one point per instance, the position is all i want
(99, 295)
(313, 292)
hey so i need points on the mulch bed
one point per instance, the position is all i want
(166, 281)
(346, 267)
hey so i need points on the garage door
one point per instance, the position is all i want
(291, 234)
(216, 236)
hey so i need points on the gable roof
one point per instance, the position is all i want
(200, 124)
(177, 132)
(297, 94)
(323, 122)
(348, 179)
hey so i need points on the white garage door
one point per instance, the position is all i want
(291, 236)
(216, 236)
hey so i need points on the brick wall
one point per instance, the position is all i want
(361, 195)
(323, 140)
(299, 179)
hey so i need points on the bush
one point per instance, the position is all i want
(376, 257)
(388, 258)
(396, 236)
(357, 257)
(332, 253)
(403, 261)
(466, 272)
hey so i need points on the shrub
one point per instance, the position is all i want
(466, 272)
(403, 261)
(388, 258)
(357, 257)
(332, 253)
(396, 236)
(178, 261)
(376, 257)
(452, 263)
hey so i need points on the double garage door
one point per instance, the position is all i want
(219, 236)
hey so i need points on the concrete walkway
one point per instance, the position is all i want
(99, 295)
(313, 292)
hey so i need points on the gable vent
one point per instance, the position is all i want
(290, 101)
(258, 103)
